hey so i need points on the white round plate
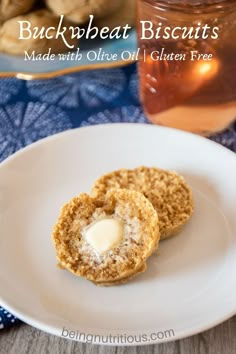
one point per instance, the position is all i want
(189, 286)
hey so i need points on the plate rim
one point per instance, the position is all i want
(53, 74)
(107, 125)
(40, 325)
(53, 330)
(27, 75)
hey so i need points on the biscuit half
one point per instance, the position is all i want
(125, 259)
(167, 191)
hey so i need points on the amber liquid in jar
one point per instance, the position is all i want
(195, 95)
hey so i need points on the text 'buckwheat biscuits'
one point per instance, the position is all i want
(167, 191)
(108, 240)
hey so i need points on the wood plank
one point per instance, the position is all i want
(23, 339)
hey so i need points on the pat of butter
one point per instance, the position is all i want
(104, 234)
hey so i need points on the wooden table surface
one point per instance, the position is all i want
(24, 339)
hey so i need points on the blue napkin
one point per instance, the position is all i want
(32, 110)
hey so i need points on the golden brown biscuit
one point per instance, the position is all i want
(125, 15)
(78, 11)
(142, 269)
(124, 259)
(9, 35)
(12, 8)
(167, 191)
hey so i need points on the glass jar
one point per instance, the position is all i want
(187, 63)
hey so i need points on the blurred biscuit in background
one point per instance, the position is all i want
(106, 13)
(9, 35)
(78, 11)
(125, 14)
(12, 8)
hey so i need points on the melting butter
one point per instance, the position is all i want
(104, 234)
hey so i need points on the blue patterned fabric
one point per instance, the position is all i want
(32, 110)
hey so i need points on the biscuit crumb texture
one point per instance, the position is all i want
(124, 260)
(167, 191)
